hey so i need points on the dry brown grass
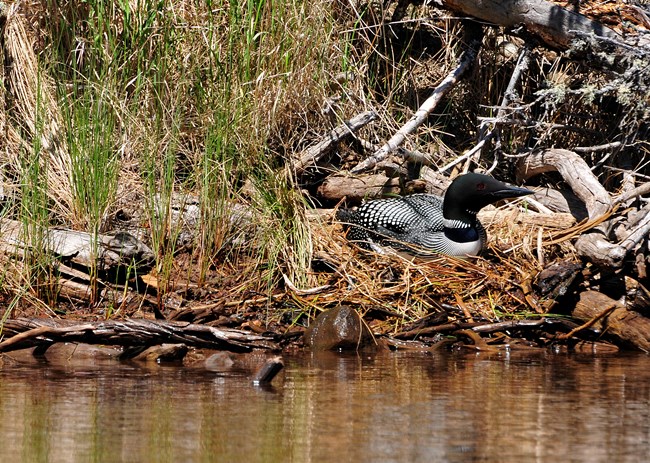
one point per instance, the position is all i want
(35, 119)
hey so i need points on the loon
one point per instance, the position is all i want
(424, 224)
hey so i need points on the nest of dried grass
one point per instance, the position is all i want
(393, 290)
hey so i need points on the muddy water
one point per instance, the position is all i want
(385, 407)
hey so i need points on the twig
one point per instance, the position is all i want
(584, 326)
(501, 326)
(508, 96)
(641, 190)
(303, 292)
(475, 33)
(597, 148)
(312, 154)
(465, 156)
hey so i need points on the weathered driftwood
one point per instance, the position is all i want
(183, 212)
(594, 245)
(636, 229)
(575, 172)
(554, 25)
(473, 37)
(27, 333)
(626, 326)
(76, 291)
(119, 250)
(357, 187)
(560, 201)
(626, 196)
(634, 236)
(314, 153)
(76, 251)
(559, 220)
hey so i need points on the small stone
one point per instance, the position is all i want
(340, 328)
(162, 353)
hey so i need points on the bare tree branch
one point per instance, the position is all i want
(474, 34)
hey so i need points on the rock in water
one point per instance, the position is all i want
(340, 328)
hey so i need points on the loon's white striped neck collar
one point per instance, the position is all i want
(459, 223)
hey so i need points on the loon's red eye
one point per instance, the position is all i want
(480, 186)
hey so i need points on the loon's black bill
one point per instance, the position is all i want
(512, 192)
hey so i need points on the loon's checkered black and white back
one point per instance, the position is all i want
(412, 223)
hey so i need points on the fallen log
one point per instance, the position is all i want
(356, 188)
(559, 220)
(554, 25)
(626, 326)
(26, 333)
(564, 201)
(105, 251)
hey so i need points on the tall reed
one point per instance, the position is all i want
(171, 99)
(39, 271)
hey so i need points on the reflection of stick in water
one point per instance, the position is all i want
(268, 371)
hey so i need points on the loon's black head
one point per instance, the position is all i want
(470, 193)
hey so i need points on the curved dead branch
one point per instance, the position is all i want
(594, 245)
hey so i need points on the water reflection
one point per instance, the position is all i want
(380, 407)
